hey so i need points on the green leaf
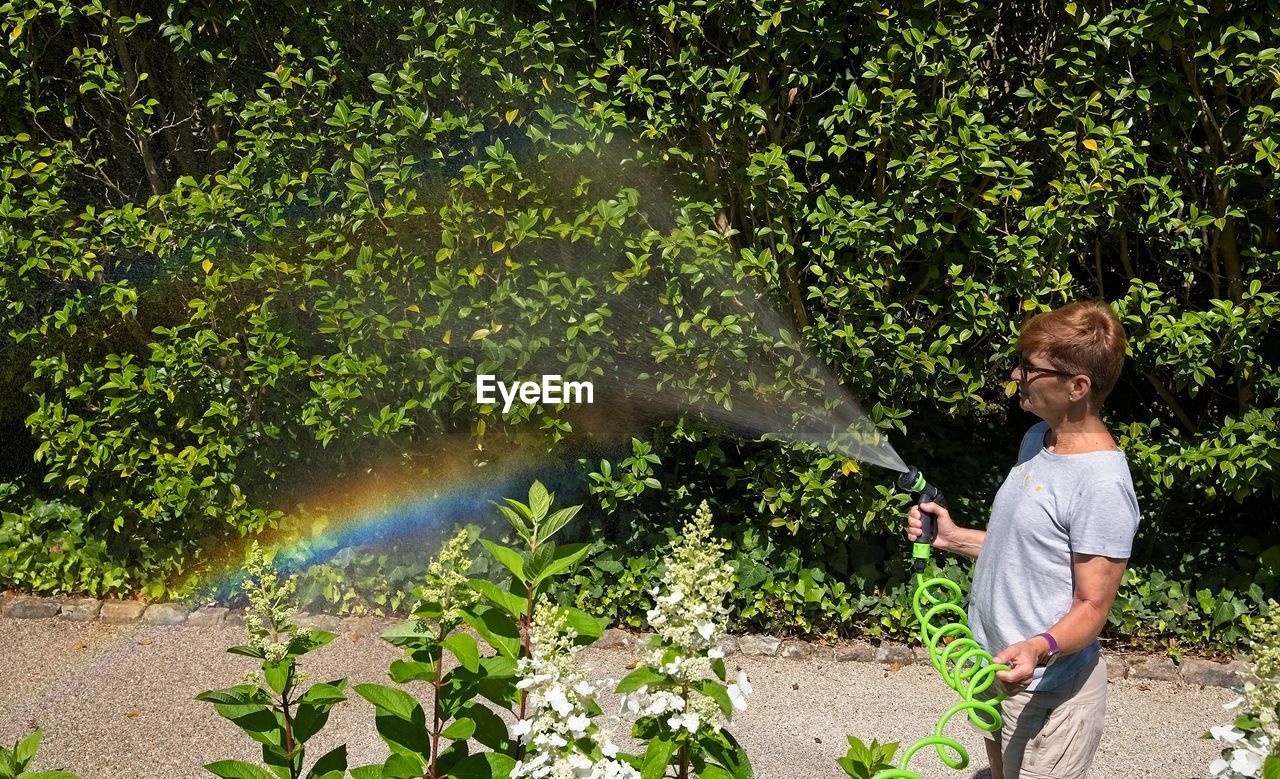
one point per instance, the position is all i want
(237, 769)
(725, 750)
(464, 647)
(368, 772)
(277, 674)
(564, 558)
(309, 719)
(539, 502)
(462, 727)
(404, 671)
(402, 765)
(491, 730)
(1271, 767)
(325, 693)
(586, 626)
(717, 692)
(240, 695)
(309, 641)
(508, 557)
(333, 765)
(394, 701)
(515, 516)
(657, 757)
(644, 676)
(717, 666)
(496, 628)
(26, 748)
(48, 775)
(509, 602)
(552, 524)
(537, 561)
(405, 634)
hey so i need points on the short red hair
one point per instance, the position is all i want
(1084, 337)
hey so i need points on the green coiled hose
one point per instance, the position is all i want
(966, 667)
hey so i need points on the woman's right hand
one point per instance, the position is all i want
(947, 530)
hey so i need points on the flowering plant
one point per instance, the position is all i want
(681, 694)
(1251, 742)
(435, 745)
(565, 741)
(271, 707)
(509, 673)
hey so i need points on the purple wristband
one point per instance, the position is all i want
(1053, 645)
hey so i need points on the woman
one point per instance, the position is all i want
(1055, 548)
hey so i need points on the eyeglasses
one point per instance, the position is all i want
(1025, 368)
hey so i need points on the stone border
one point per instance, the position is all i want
(1192, 670)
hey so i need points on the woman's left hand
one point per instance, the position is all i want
(1022, 659)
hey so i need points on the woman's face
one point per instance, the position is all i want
(1043, 388)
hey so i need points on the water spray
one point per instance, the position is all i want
(965, 666)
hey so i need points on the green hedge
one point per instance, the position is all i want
(237, 252)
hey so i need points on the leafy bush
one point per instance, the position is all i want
(359, 582)
(350, 221)
(53, 547)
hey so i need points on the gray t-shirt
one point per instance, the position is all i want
(1050, 506)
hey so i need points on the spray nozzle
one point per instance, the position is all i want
(913, 481)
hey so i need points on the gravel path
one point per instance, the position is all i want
(115, 702)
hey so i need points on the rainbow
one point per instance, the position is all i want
(412, 500)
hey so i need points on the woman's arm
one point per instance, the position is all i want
(966, 541)
(1097, 580)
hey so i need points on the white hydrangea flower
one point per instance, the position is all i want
(1246, 761)
(1247, 748)
(561, 698)
(521, 729)
(689, 616)
(1228, 733)
(739, 690)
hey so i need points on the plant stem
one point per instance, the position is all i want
(526, 643)
(684, 747)
(438, 684)
(288, 733)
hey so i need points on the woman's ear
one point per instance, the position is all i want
(1081, 386)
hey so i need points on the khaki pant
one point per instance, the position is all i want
(1054, 734)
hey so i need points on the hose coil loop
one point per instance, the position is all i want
(964, 665)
